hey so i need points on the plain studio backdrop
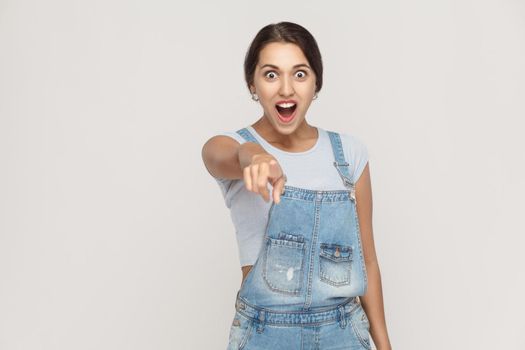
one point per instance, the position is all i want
(114, 236)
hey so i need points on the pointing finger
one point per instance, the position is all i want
(247, 178)
(263, 181)
(279, 189)
(254, 173)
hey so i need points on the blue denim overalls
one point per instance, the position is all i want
(301, 291)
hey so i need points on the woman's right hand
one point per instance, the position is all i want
(264, 169)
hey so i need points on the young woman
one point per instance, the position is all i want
(311, 278)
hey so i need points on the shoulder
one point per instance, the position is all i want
(350, 142)
(353, 143)
(234, 135)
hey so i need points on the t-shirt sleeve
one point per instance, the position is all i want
(357, 154)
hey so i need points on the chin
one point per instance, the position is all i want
(290, 127)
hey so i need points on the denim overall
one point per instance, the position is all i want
(301, 291)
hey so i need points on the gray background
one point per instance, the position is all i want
(114, 236)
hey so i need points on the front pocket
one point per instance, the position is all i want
(283, 263)
(361, 326)
(335, 262)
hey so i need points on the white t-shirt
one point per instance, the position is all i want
(312, 169)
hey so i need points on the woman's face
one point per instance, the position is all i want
(285, 84)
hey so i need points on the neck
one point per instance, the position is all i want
(295, 139)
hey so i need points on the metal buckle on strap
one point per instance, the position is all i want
(341, 164)
(352, 192)
(346, 181)
(351, 186)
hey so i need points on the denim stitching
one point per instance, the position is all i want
(277, 242)
(361, 252)
(359, 336)
(247, 334)
(315, 234)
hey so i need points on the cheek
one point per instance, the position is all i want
(307, 89)
(268, 90)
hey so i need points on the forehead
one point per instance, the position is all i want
(282, 55)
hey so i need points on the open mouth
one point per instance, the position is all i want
(286, 111)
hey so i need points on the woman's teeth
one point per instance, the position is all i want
(286, 105)
(286, 111)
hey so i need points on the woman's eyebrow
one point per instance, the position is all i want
(296, 66)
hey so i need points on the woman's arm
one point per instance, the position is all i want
(372, 301)
(225, 158)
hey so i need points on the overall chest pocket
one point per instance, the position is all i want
(335, 264)
(284, 263)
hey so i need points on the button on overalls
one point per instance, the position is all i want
(301, 291)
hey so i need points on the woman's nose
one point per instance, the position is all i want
(286, 88)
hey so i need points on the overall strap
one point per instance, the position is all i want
(340, 162)
(244, 132)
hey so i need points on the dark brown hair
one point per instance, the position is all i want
(285, 32)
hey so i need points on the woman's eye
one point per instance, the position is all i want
(270, 75)
(301, 74)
